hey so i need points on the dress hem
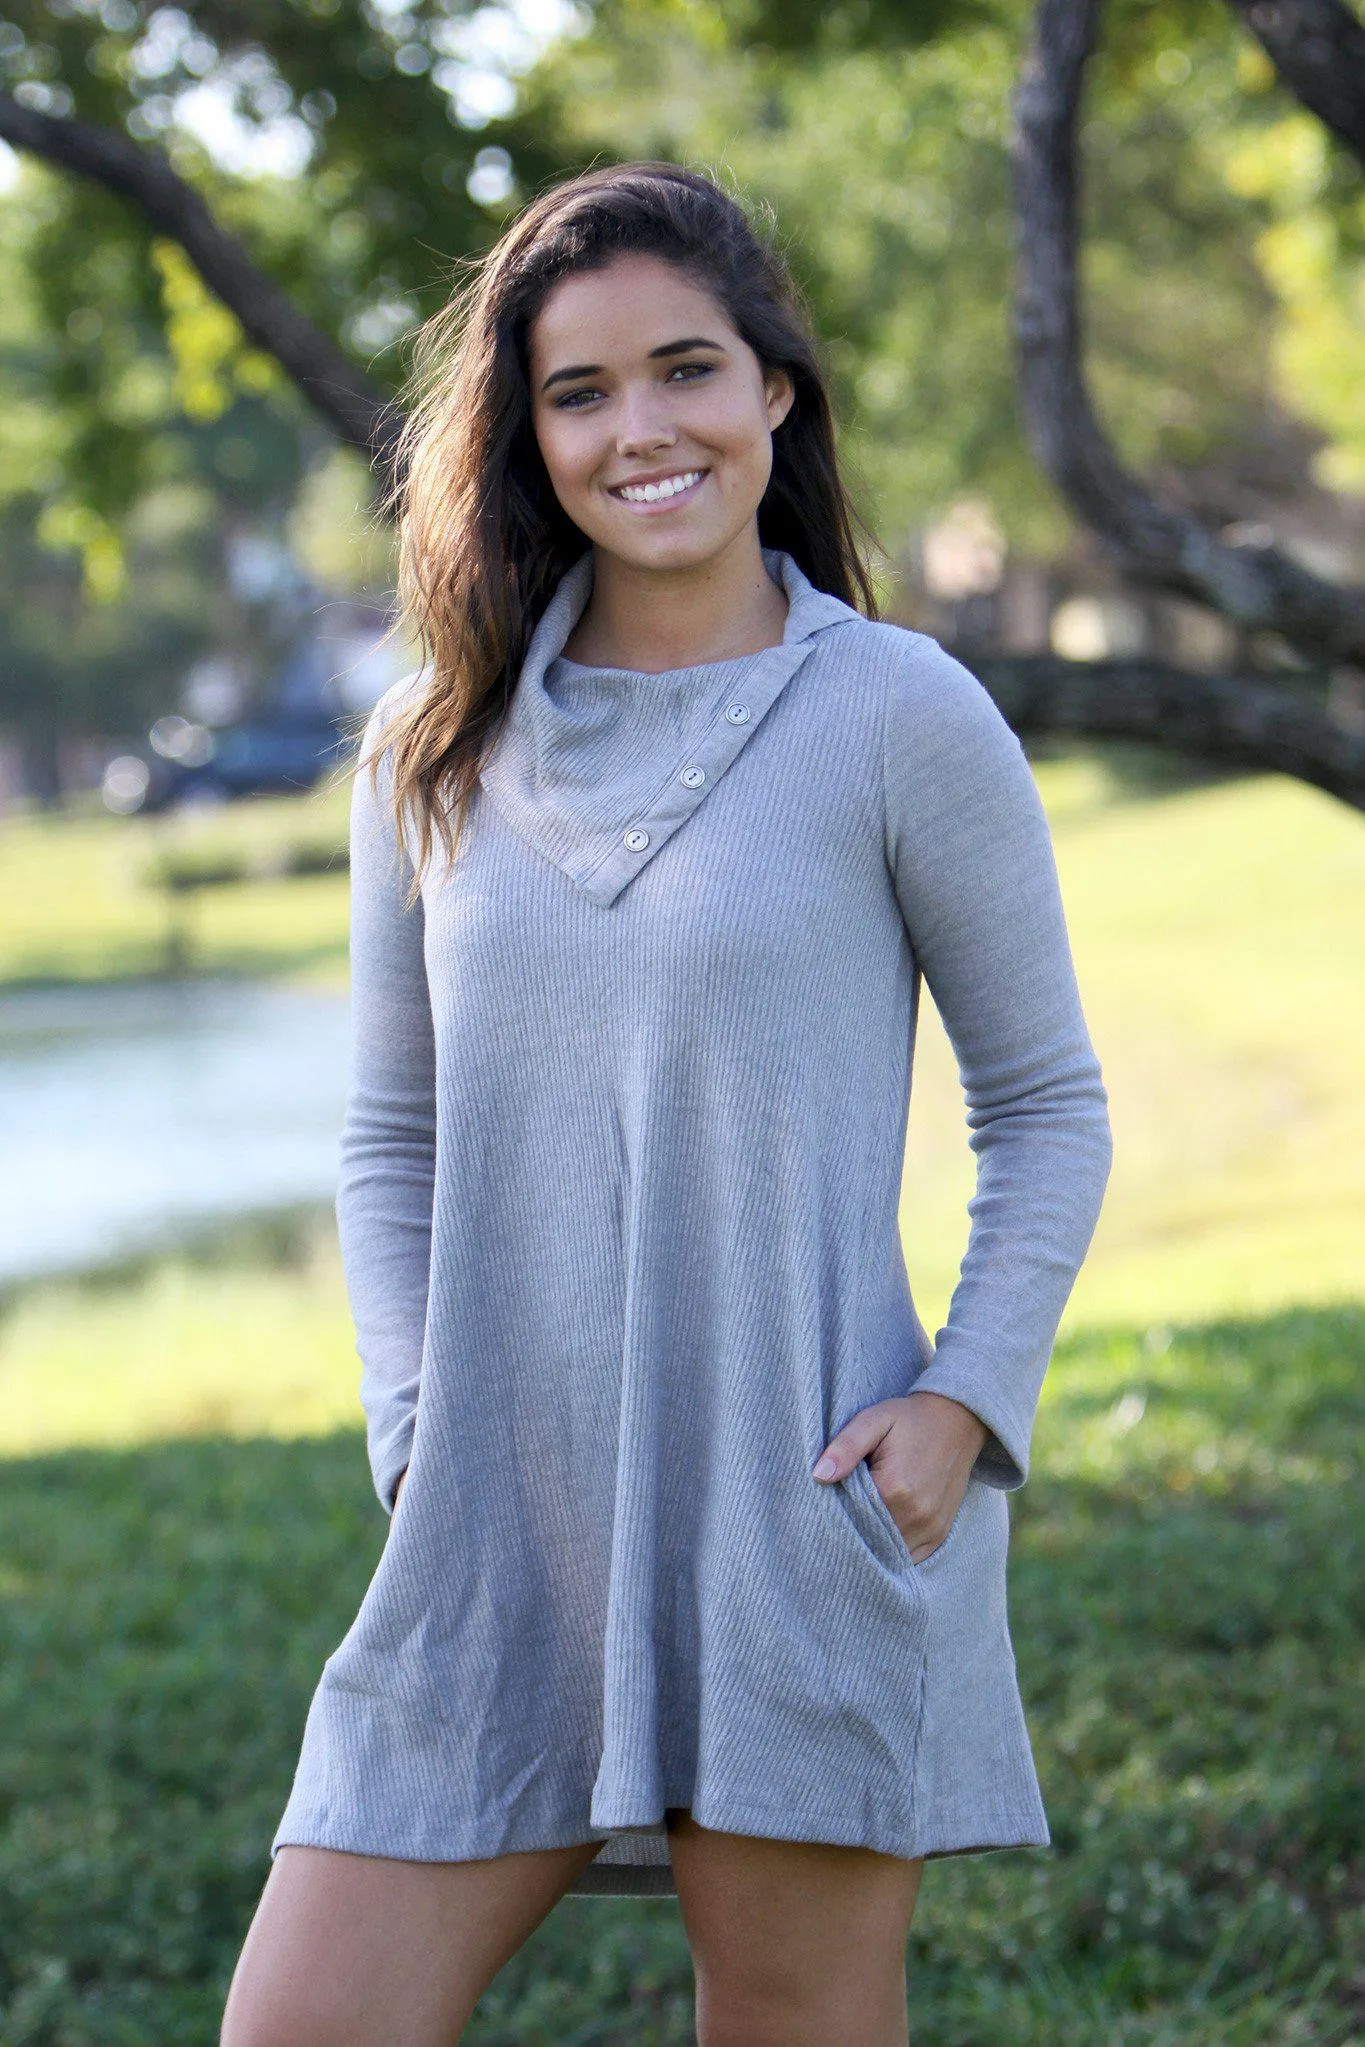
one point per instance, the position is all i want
(1019, 1831)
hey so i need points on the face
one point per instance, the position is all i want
(653, 416)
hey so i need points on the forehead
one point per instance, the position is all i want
(623, 311)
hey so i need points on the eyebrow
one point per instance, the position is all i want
(665, 348)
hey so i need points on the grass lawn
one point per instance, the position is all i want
(78, 903)
(187, 1525)
(1186, 1603)
(1219, 939)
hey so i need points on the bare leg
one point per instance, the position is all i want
(794, 1943)
(365, 1950)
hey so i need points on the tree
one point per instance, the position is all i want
(376, 174)
(1156, 542)
(167, 202)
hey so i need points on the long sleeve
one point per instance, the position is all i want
(388, 1141)
(975, 875)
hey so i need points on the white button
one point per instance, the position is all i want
(738, 714)
(694, 777)
(637, 841)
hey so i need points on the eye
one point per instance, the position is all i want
(569, 403)
(689, 371)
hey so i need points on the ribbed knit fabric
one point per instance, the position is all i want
(621, 1168)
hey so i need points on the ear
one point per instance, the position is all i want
(780, 394)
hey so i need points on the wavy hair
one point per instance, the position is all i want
(483, 541)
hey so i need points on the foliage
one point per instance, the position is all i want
(361, 151)
(888, 170)
(373, 103)
(1219, 279)
(1186, 1607)
(204, 867)
(119, 482)
(1312, 252)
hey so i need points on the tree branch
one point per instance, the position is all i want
(1155, 543)
(1227, 719)
(1318, 50)
(356, 410)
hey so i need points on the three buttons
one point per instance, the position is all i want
(636, 839)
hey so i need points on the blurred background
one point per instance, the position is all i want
(219, 225)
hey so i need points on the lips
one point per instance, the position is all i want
(659, 490)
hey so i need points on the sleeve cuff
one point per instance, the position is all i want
(1002, 1460)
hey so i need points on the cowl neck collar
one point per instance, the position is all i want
(596, 768)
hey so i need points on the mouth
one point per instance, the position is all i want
(660, 493)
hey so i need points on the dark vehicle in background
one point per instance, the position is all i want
(303, 729)
(191, 763)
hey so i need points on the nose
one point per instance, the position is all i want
(643, 422)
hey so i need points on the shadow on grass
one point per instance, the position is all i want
(280, 1239)
(146, 960)
(1139, 770)
(1185, 1597)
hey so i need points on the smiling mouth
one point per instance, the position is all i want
(668, 489)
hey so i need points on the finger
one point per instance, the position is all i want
(851, 1444)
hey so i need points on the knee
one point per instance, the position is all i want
(762, 2022)
(239, 2030)
(257, 2029)
(281, 2030)
(777, 2014)
(251, 2020)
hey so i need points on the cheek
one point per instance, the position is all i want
(741, 429)
(747, 451)
(564, 453)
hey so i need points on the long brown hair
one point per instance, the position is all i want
(483, 539)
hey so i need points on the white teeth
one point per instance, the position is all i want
(649, 493)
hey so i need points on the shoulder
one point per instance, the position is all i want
(904, 662)
(370, 731)
(954, 771)
(923, 677)
(928, 700)
(400, 696)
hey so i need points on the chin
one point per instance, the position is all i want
(665, 552)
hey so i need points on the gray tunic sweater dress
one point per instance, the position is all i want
(621, 1166)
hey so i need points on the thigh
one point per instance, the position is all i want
(363, 1950)
(793, 1942)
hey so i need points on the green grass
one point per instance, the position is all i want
(1186, 1600)
(1219, 937)
(245, 1331)
(79, 899)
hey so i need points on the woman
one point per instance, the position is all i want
(695, 1580)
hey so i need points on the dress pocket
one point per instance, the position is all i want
(865, 1485)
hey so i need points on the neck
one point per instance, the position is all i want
(655, 619)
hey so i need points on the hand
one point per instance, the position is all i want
(920, 1449)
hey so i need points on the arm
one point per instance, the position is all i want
(388, 1140)
(972, 863)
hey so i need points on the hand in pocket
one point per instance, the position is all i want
(920, 1449)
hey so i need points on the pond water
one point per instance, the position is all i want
(128, 1112)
